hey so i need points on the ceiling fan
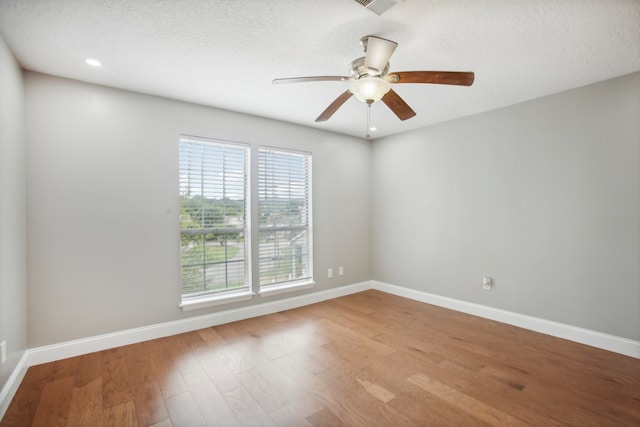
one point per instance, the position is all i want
(370, 80)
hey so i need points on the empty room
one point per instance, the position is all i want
(319, 213)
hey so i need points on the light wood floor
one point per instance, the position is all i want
(368, 359)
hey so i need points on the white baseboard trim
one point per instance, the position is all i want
(49, 353)
(600, 340)
(12, 384)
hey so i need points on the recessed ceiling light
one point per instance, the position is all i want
(93, 62)
(373, 129)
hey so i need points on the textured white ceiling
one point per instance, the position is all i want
(225, 53)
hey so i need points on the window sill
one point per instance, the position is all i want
(213, 300)
(289, 287)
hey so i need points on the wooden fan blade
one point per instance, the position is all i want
(462, 78)
(333, 107)
(312, 79)
(397, 105)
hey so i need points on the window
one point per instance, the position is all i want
(213, 218)
(284, 215)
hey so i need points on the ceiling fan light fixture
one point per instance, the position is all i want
(369, 89)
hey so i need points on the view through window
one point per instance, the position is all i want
(284, 210)
(213, 224)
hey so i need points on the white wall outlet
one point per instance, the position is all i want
(341, 271)
(330, 273)
(3, 352)
(487, 283)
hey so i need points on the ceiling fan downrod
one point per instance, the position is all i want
(368, 118)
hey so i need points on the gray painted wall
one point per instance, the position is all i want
(102, 193)
(543, 196)
(13, 281)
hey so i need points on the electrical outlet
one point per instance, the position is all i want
(487, 283)
(3, 352)
(341, 271)
(330, 273)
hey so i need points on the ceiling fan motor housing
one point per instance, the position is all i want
(357, 69)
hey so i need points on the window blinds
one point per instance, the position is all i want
(284, 212)
(213, 224)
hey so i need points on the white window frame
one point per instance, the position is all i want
(207, 298)
(293, 283)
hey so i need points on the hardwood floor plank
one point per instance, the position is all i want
(288, 417)
(233, 360)
(149, 403)
(39, 374)
(303, 390)
(23, 407)
(425, 351)
(464, 401)
(268, 324)
(356, 303)
(88, 368)
(324, 358)
(376, 390)
(54, 405)
(139, 364)
(420, 406)
(164, 369)
(506, 375)
(355, 405)
(553, 402)
(362, 324)
(210, 401)
(358, 357)
(115, 378)
(65, 367)
(368, 359)
(86, 405)
(424, 409)
(213, 366)
(259, 347)
(178, 349)
(246, 409)
(210, 336)
(459, 377)
(120, 415)
(263, 390)
(351, 335)
(184, 411)
(325, 418)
